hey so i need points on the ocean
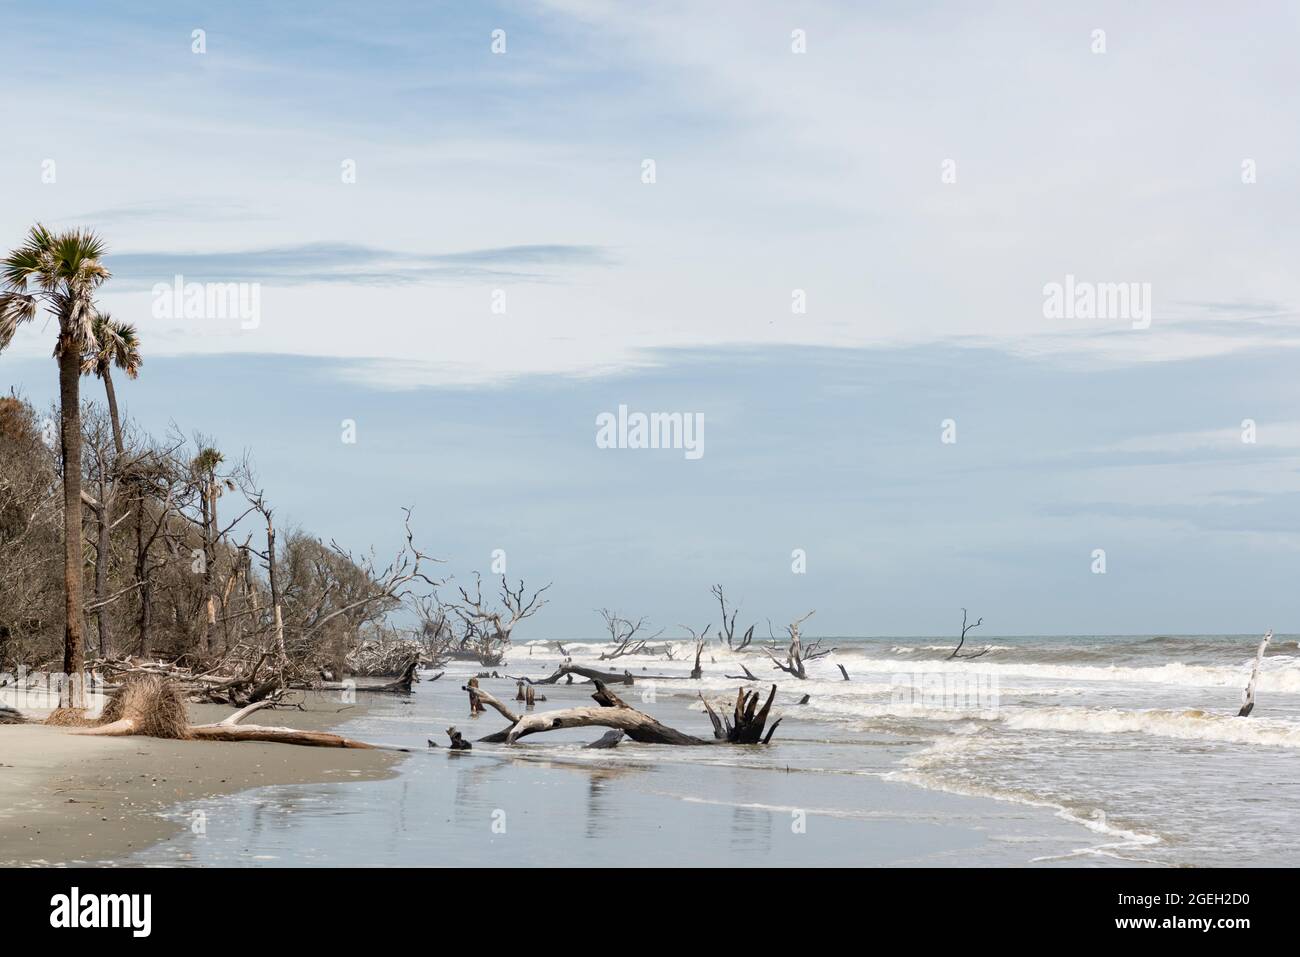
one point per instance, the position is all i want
(1042, 751)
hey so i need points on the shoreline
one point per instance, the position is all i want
(68, 799)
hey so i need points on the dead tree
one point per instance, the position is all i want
(745, 727)
(623, 635)
(965, 628)
(728, 630)
(487, 629)
(796, 655)
(747, 676)
(699, 638)
(1248, 695)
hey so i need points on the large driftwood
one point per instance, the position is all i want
(636, 725)
(592, 674)
(1248, 696)
(400, 685)
(746, 724)
(745, 728)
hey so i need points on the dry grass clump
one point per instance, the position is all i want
(153, 704)
(150, 704)
(10, 716)
(69, 718)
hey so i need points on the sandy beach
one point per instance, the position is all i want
(71, 799)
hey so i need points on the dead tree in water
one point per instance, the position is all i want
(698, 638)
(622, 635)
(728, 630)
(797, 656)
(475, 705)
(965, 628)
(745, 727)
(488, 629)
(1248, 696)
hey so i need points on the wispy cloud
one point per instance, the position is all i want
(353, 263)
(186, 211)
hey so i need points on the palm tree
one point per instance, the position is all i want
(118, 345)
(60, 272)
(204, 469)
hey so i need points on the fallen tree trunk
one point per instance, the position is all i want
(399, 685)
(636, 725)
(746, 727)
(608, 677)
(592, 674)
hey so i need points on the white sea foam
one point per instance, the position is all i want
(1189, 725)
(1280, 674)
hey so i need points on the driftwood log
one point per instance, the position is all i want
(1248, 695)
(400, 685)
(593, 674)
(744, 727)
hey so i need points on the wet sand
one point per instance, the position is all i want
(72, 799)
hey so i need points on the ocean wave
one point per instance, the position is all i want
(1123, 839)
(1188, 725)
(1280, 673)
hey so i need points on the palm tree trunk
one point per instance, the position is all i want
(70, 443)
(111, 395)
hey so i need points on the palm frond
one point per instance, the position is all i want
(15, 309)
(118, 345)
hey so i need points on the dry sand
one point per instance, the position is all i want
(72, 799)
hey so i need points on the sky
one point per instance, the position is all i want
(462, 252)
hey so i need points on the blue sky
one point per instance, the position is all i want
(521, 175)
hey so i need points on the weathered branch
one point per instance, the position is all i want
(1248, 695)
